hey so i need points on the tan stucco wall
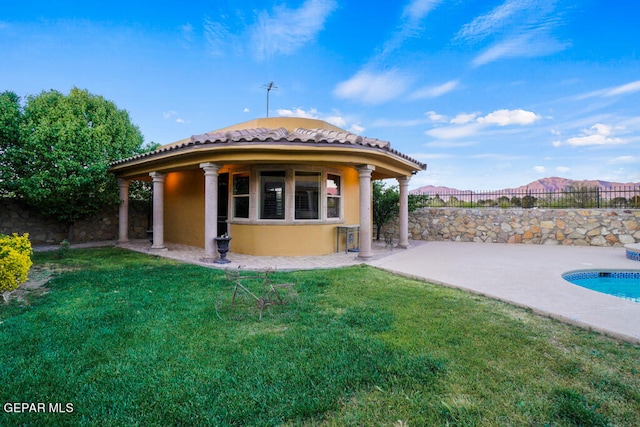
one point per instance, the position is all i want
(184, 220)
(184, 208)
(299, 239)
(283, 240)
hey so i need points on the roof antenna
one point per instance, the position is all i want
(269, 86)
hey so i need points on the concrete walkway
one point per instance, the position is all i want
(524, 275)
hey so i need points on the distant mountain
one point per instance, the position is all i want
(540, 185)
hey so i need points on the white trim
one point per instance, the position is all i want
(290, 171)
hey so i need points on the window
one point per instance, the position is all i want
(241, 195)
(272, 194)
(307, 195)
(333, 196)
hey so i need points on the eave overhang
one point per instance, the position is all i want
(266, 145)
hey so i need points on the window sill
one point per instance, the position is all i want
(242, 221)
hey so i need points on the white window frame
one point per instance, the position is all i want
(255, 195)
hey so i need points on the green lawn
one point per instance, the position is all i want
(130, 339)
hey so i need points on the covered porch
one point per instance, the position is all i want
(280, 190)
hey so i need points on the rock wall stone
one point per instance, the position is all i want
(580, 227)
(18, 218)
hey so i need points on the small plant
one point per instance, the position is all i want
(15, 262)
(63, 249)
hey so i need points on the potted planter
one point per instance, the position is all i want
(222, 243)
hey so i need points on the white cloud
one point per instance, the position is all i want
(409, 26)
(246, 110)
(455, 132)
(169, 115)
(624, 89)
(598, 134)
(217, 35)
(463, 118)
(525, 45)
(468, 124)
(430, 156)
(624, 160)
(563, 169)
(449, 144)
(509, 117)
(521, 28)
(299, 112)
(334, 118)
(435, 117)
(418, 9)
(494, 21)
(356, 128)
(539, 169)
(435, 91)
(398, 123)
(371, 88)
(187, 32)
(284, 30)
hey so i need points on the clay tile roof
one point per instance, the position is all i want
(280, 135)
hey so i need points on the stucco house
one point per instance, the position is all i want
(277, 186)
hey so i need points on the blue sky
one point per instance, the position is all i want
(489, 93)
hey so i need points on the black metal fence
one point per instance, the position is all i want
(568, 198)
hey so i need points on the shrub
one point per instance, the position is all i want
(15, 261)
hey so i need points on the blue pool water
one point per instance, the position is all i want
(622, 284)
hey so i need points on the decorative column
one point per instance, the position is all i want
(210, 209)
(123, 213)
(364, 172)
(158, 211)
(403, 220)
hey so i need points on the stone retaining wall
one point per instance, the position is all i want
(17, 218)
(580, 227)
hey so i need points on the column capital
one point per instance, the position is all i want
(210, 167)
(157, 176)
(365, 170)
(403, 180)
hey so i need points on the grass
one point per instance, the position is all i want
(131, 339)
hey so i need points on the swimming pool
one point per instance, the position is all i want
(621, 283)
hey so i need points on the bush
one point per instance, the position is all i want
(15, 261)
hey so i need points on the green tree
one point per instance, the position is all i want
(582, 196)
(10, 115)
(386, 202)
(59, 162)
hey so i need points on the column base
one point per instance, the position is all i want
(158, 249)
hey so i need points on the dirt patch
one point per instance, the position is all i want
(39, 276)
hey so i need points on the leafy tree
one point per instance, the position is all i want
(59, 161)
(417, 201)
(10, 114)
(582, 196)
(386, 202)
(528, 201)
